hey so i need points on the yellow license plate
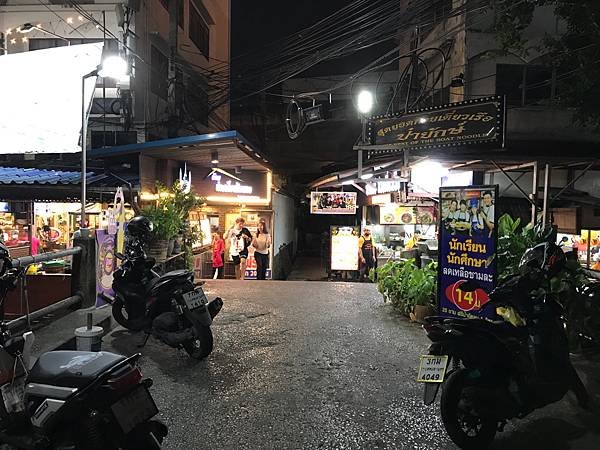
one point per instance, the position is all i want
(432, 368)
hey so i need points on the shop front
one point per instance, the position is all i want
(226, 170)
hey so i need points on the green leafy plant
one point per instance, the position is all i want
(404, 285)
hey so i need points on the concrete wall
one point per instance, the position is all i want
(284, 232)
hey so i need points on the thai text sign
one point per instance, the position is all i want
(333, 202)
(344, 248)
(471, 122)
(467, 250)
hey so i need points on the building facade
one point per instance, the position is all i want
(179, 80)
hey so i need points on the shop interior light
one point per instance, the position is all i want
(347, 182)
(365, 102)
(366, 176)
(214, 158)
(423, 120)
(26, 28)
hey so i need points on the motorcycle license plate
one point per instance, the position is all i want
(432, 368)
(195, 299)
(135, 408)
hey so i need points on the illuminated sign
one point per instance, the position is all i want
(344, 248)
(218, 186)
(383, 187)
(229, 186)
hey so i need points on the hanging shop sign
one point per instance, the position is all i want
(383, 187)
(479, 121)
(333, 202)
(467, 250)
(344, 247)
(222, 186)
(394, 214)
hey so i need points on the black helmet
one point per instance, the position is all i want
(139, 227)
(547, 257)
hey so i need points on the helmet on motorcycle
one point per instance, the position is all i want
(547, 257)
(139, 227)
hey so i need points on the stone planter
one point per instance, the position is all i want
(158, 249)
(420, 312)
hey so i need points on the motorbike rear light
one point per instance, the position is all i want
(127, 380)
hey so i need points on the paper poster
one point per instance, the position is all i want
(467, 251)
(105, 264)
(344, 248)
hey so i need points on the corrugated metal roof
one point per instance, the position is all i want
(19, 175)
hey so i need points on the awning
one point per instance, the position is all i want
(23, 184)
(233, 149)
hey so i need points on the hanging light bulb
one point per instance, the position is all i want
(24, 40)
(69, 20)
(13, 41)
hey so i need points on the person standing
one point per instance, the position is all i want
(218, 261)
(238, 240)
(366, 253)
(262, 244)
(488, 211)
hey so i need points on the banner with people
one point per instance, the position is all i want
(333, 202)
(467, 250)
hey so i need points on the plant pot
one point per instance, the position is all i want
(170, 247)
(157, 249)
(420, 312)
(178, 243)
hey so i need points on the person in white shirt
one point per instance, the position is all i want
(488, 212)
(262, 244)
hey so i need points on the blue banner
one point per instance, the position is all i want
(467, 251)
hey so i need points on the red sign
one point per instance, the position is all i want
(466, 300)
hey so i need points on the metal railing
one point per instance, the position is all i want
(64, 303)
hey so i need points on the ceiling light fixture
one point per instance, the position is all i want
(214, 158)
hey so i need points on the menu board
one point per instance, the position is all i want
(333, 202)
(395, 214)
(467, 251)
(344, 248)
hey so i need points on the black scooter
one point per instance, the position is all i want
(70, 399)
(170, 307)
(496, 371)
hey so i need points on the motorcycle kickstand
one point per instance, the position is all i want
(143, 344)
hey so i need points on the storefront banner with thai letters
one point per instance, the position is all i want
(333, 202)
(477, 121)
(467, 251)
(344, 247)
(105, 264)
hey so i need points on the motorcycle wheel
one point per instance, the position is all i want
(117, 311)
(202, 346)
(466, 427)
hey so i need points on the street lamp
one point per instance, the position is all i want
(112, 66)
(364, 104)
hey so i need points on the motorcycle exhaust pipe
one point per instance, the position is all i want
(214, 307)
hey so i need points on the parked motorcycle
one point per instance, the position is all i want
(170, 307)
(496, 371)
(70, 399)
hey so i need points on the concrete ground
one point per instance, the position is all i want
(301, 365)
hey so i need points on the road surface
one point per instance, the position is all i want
(310, 365)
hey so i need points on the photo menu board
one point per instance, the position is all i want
(467, 251)
(344, 247)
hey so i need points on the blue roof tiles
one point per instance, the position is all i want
(18, 175)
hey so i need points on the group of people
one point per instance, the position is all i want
(236, 242)
(471, 216)
(328, 200)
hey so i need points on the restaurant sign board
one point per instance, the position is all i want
(479, 121)
(467, 251)
(344, 247)
(333, 202)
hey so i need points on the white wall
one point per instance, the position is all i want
(284, 220)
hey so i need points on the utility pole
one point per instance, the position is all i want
(173, 108)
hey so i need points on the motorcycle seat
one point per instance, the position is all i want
(72, 368)
(182, 273)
